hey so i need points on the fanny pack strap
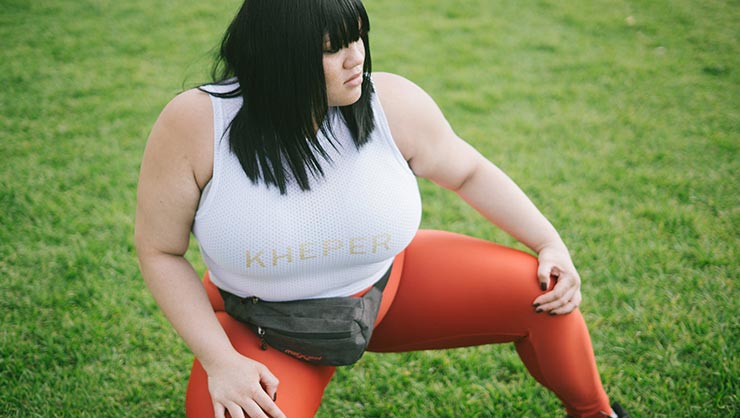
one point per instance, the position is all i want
(380, 284)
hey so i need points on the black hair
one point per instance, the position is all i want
(274, 50)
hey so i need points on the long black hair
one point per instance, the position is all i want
(274, 50)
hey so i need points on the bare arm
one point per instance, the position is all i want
(435, 152)
(174, 169)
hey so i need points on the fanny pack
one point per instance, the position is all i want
(328, 331)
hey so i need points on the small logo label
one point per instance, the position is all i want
(302, 356)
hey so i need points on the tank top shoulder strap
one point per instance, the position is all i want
(384, 129)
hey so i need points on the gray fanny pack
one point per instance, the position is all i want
(328, 331)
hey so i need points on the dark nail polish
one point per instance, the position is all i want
(536, 305)
(543, 286)
(552, 314)
(538, 310)
(274, 397)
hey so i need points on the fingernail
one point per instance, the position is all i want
(538, 310)
(543, 286)
(552, 314)
(274, 397)
(536, 305)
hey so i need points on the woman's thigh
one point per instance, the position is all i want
(459, 291)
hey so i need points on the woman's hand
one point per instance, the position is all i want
(244, 388)
(555, 265)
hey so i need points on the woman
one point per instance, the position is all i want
(296, 173)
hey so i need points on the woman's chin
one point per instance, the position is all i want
(345, 99)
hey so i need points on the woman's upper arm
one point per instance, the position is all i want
(422, 133)
(177, 163)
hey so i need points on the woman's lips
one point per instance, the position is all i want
(355, 80)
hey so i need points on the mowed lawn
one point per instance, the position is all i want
(619, 118)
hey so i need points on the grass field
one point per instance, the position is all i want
(619, 118)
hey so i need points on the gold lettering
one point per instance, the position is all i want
(331, 244)
(305, 250)
(355, 247)
(310, 250)
(288, 256)
(382, 239)
(256, 258)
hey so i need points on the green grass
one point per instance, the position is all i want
(619, 118)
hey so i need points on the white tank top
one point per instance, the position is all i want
(334, 240)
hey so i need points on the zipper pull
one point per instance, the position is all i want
(261, 334)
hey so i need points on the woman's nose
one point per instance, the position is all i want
(355, 54)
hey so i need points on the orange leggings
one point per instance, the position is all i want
(446, 290)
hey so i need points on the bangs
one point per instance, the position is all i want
(344, 21)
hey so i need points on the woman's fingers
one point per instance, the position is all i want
(235, 411)
(546, 272)
(253, 410)
(260, 405)
(218, 410)
(265, 403)
(563, 298)
(556, 266)
(269, 382)
(569, 306)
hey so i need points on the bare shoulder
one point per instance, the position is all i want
(383, 79)
(184, 131)
(187, 108)
(396, 91)
(412, 114)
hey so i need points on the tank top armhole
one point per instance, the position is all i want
(381, 123)
(219, 135)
